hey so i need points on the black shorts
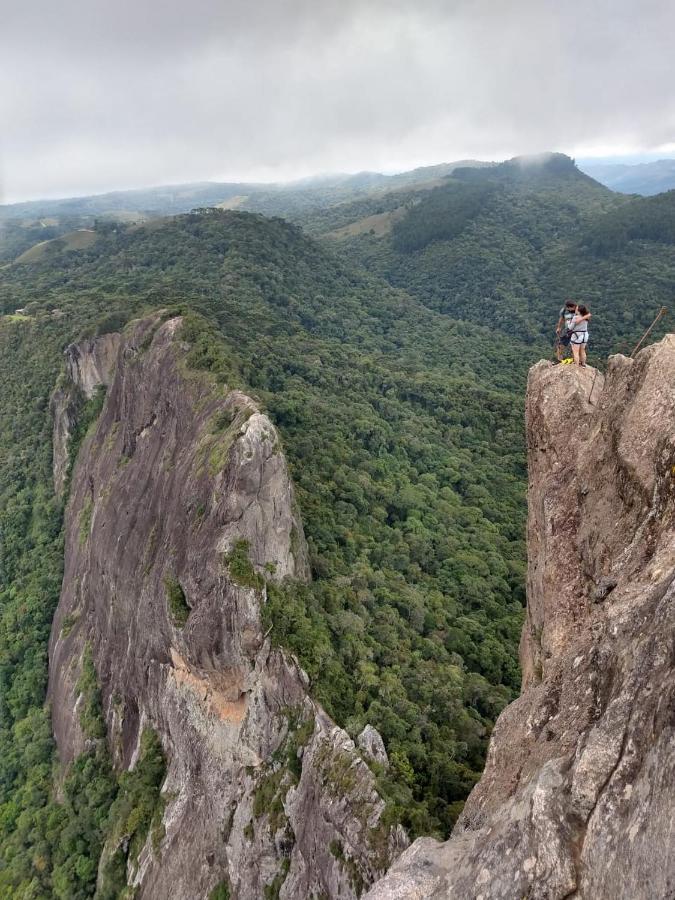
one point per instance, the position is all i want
(564, 340)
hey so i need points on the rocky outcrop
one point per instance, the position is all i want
(91, 362)
(371, 744)
(181, 511)
(88, 365)
(577, 795)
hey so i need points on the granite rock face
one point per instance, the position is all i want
(91, 362)
(178, 481)
(576, 800)
(371, 743)
(88, 365)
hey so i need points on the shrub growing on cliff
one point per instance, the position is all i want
(207, 351)
(91, 714)
(240, 567)
(86, 514)
(221, 891)
(178, 605)
(272, 890)
(137, 809)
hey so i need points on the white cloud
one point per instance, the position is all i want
(106, 96)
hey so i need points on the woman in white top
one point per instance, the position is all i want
(578, 330)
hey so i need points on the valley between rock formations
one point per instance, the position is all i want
(576, 800)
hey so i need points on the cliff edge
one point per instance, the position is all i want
(576, 800)
(180, 515)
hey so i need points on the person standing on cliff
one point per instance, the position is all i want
(579, 334)
(563, 328)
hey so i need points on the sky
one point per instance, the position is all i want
(98, 95)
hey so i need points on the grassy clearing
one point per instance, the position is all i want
(232, 202)
(17, 317)
(378, 224)
(81, 239)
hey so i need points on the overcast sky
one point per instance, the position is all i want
(103, 94)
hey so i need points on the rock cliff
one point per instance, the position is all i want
(88, 365)
(180, 512)
(576, 800)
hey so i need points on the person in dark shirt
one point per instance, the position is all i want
(562, 329)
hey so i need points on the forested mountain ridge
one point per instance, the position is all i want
(24, 224)
(505, 246)
(500, 245)
(404, 440)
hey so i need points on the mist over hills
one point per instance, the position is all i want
(272, 199)
(325, 189)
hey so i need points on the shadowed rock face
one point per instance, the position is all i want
(577, 795)
(92, 362)
(88, 365)
(177, 474)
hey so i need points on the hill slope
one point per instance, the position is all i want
(80, 239)
(23, 225)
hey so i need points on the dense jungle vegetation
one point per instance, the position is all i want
(401, 416)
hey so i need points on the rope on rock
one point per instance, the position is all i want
(661, 312)
(592, 386)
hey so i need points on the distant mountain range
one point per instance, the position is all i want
(643, 178)
(295, 200)
(498, 245)
(270, 199)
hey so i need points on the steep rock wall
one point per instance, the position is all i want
(88, 365)
(576, 800)
(180, 503)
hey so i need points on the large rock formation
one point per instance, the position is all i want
(180, 511)
(577, 795)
